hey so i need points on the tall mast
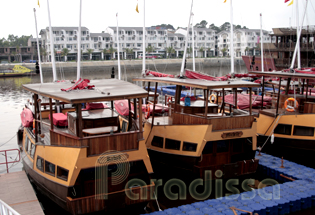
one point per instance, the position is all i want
(38, 51)
(297, 32)
(298, 39)
(261, 45)
(193, 41)
(52, 46)
(118, 51)
(231, 39)
(143, 41)
(79, 44)
(186, 42)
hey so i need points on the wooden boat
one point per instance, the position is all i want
(84, 160)
(290, 129)
(17, 71)
(196, 138)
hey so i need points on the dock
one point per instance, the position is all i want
(294, 193)
(17, 192)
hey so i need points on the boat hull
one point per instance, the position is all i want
(297, 150)
(269, 64)
(7, 75)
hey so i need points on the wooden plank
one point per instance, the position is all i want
(18, 193)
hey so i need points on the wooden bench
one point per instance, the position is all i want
(100, 130)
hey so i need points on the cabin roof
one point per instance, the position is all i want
(284, 74)
(203, 84)
(118, 90)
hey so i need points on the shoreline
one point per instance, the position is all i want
(133, 64)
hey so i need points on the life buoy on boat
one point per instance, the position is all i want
(34, 126)
(214, 100)
(288, 107)
(147, 111)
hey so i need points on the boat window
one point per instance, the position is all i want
(62, 173)
(208, 149)
(237, 146)
(40, 163)
(50, 168)
(172, 144)
(191, 147)
(27, 142)
(32, 150)
(283, 129)
(157, 141)
(222, 146)
(303, 131)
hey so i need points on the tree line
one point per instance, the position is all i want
(224, 27)
(14, 41)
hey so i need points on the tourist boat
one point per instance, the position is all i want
(17, 71)
(287, 129)
(198, 137)
(86, 160)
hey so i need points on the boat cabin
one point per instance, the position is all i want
(77, 140)
(203, 135)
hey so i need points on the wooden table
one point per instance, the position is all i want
(93, 119)
(100, 130)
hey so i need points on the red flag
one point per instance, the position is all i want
(285, 1)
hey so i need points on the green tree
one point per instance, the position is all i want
(111, 51)
(64, 53)
(224, 51)
(201, 49)
(170, 50)
(215, 28)
(90, 51)
(105, 52)
(202, 24)
(43, 53)
(149, 49)
(129, 53)
(189, 51)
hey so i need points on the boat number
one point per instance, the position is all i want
(232, 134)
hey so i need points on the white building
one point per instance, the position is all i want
(100, 46)
(244, 40)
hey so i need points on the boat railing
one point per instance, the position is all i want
(6, 209)
(98, 144)
(98, 202)
(218, 123)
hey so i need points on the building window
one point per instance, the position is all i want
(40, 163)
(191, 147)
(62, 173)
(50, 168)
(283, 129)
(157, 141)
(172, 144)
(303, 131)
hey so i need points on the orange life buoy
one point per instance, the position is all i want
(147, 111)
(213, 96)
(34, 126)
(288, 107)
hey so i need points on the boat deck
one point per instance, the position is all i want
(160, 120)
(17, 192)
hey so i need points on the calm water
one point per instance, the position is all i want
(13, 98)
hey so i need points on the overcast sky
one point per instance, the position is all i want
(17, 16)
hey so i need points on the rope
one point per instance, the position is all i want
(8, 141)
(272, 131)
